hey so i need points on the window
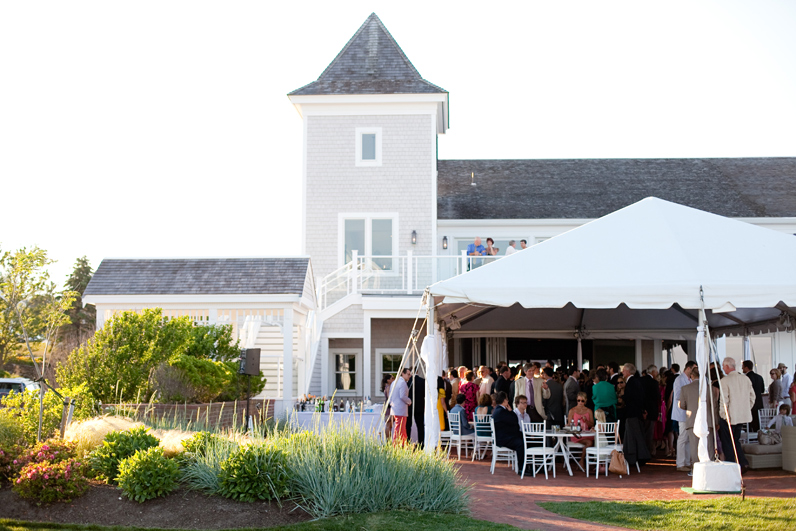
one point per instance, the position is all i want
(368, 146)
(345, 372)
(370, 235)
(390, 363)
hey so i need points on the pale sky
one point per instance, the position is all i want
(162, 128)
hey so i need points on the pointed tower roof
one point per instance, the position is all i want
(370, 63)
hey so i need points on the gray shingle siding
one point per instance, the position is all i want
(591, 188)
(371, 63)
(261, 276)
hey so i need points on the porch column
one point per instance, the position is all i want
(287, 360)
(325, 365)
(639, 355)
(212, 315)
(367, 374)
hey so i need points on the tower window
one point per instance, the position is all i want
(368, 146)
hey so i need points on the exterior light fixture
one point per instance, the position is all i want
(414, 237)
(444, 242)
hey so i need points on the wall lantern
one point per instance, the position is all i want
(444, 242)
(414, 237)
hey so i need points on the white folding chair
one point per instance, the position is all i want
(445, 438)
(604, 444)
(575, 450)
(765, 415)
(483, 435)
(536, 449)
(501, 453)
(468, 441)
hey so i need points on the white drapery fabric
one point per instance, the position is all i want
(702, 358)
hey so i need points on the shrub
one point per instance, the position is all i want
(201, 465)
(51, 451)
(147, 474)
(339, 471)
(22, 409)
(11, 432)
(254, 472)
(47, 482)
(119, 445)
(8, 456)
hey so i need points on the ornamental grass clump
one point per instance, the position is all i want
(147, 474)
(343, 471)
(201, 461)
(254, 472)
(118, 446)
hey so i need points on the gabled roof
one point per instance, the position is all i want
(371, 63)
(199, 276)
(591, 188)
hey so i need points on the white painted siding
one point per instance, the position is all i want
(402, 184)
(269, 341)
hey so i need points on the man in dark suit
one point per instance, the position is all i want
(554, 405)
(635, 447)
(759, 388)
(652, 405)
(417, 409)
(613, 373)
(503, 383)
(507, 429)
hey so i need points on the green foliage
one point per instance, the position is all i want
(147, 474)
(80, 323)
(48, 481)
(254, 472)
(23, 410)
(201, 462)
(8, 456)
(11, 432)
(338, 472)
(123, 361)
(117, 446)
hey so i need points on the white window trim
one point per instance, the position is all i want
(333, 352)
(368, 217)
(358, 146)
(380, 352)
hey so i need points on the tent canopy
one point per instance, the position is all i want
(638, 272)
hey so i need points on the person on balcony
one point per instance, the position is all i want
(512, 248)
(475, 249)
(491, 250)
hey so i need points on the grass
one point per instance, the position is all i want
(728, 513)
(391, 521)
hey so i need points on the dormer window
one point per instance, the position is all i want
(368, 146)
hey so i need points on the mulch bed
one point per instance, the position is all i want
(105, 505)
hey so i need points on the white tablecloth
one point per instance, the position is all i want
(368, 422)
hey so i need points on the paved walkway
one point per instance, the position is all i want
(504, 498)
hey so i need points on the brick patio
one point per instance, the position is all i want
(504, 498)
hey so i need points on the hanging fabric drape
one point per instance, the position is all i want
(701, 422)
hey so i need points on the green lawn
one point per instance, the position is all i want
(392, 521)
(728, 513)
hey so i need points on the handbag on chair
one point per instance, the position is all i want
(618, 465)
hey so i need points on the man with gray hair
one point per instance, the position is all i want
(512, 248)
(737, 401)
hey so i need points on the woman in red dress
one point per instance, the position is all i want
(470, 392)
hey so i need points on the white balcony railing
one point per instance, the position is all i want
(407, 274)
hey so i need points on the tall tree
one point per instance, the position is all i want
(82, 320)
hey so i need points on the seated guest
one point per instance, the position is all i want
(464, 427)
(520, 407)
(581, 416)
(507, 429)
(783, 419)
(603, 394)
(484, 405)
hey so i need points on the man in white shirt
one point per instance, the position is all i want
(523, 244)
(512, 248)
(486, 381)
(520, 408)
(681, 416)
(785, 382)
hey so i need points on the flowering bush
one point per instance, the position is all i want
(52, 451)
(147, 474)
(8, 455)
(48, 482)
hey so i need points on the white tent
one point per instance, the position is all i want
(652, 256)
(654, 269)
